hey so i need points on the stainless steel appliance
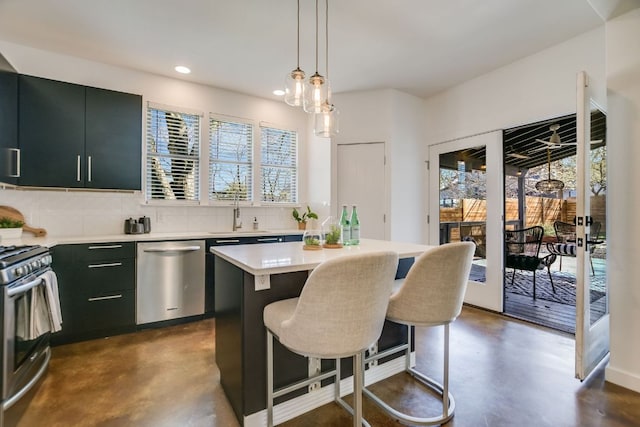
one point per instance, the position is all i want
(170, 280)
(25, 356)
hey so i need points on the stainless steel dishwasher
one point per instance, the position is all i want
(170, 280)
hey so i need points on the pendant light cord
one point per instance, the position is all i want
(326, 34)
(298, 34)
(316, 36)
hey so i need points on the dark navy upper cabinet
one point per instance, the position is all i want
(51, 133)
(78, 137)
(9, 154)
(113, 139)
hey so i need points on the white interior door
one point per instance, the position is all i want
(361, 181)
(592, 326)
(471, 169)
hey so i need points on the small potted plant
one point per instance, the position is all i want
(302, 219)
(10, 228)
(333, 237)
(312, 240)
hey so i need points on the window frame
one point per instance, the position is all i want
(146, 154)
(251, 201)
(296, 165)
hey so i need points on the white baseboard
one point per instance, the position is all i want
(622, 378)
(309, 401)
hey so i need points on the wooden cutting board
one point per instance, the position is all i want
(16, 215)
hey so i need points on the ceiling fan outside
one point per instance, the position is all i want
(554, 140)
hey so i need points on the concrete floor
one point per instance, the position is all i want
(503, 373)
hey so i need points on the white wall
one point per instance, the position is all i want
(84, 213)
(623, 151)
(394, 118)
(538, 87)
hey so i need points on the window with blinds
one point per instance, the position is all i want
(173, 155)
(230, 160)
(278, 166)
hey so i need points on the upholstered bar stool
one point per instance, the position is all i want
(340, 313)
(431, 295)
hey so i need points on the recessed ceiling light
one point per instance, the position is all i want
(182, 69)
(278, 92)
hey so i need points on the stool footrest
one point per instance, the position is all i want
(303, 383)
(407, 419)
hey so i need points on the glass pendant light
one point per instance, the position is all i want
(316, 88)
(294, 82)
(326, 122)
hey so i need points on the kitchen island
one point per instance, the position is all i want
(249, 277)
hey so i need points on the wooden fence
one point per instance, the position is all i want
(539, 211)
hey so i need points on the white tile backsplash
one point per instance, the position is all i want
(83, 213)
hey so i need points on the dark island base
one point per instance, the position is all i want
(241, 337)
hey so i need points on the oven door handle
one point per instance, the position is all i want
(18, 290)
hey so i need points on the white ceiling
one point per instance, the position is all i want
(416, 46)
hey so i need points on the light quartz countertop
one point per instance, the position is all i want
(29, 239)
(263, 259)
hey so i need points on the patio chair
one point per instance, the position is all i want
(522, 250)
(566, 241)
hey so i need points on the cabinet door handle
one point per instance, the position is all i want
(228, 241)
(105, 247)
(105, 298)
(112, 264)
(268, 239)
(17, 174)
(78, 169)
(89, 168)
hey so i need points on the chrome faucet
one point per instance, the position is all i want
(237, 222)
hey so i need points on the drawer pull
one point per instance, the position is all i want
(105, 247)
(112, 264)
(268, 239)
(105, 298)
(228, 241)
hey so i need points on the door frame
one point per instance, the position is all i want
(490, 294)
(592, 341)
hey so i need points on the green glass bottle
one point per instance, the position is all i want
(355, 227)
(346, 228)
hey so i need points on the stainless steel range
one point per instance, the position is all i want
(24, 271)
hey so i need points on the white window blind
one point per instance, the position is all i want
(279, 155)
(173, 155)
(230, 160)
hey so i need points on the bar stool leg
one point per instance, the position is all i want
(445, 388)
(357, 390)
(269, 379)
(336, 384)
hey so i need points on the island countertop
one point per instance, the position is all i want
(263, 259)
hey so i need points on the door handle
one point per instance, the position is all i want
(268, 239)
(89, 168)
(23, 288)
(17, 174)
(228, 241)
(177, 249)
(78, 168)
